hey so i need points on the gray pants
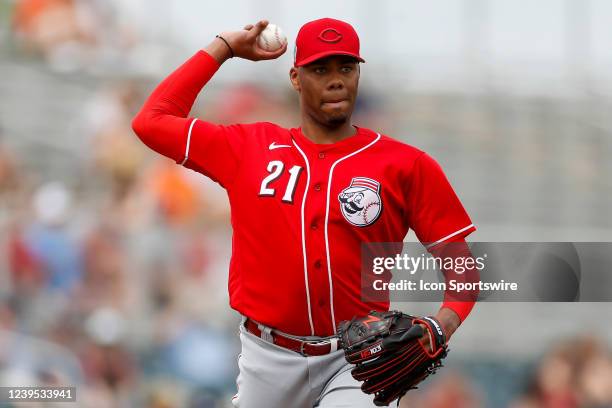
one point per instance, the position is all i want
(274, 377)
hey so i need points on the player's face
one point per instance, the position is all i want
(328, 89)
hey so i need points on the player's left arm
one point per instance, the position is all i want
(456, 306)
(440, 222)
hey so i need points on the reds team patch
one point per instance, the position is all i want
(360, 202)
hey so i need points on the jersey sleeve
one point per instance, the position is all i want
(435, 213)
(163, 124)
(215, 150)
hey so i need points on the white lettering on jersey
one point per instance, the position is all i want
(275, 168)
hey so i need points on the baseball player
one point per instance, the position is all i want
(302, 202)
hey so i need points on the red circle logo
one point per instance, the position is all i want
(330, 35)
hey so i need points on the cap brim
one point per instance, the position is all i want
(324, 54)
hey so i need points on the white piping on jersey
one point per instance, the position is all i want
(188, 141)
(312, 333)
(329, 271)
(449, 236)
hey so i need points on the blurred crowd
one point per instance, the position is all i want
(121, 270)
(575, 373)
(72, 34)
(112, 279)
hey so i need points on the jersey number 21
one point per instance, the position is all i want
(275, 168)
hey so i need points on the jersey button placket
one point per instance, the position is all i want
(316, 205)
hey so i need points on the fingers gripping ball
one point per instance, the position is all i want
(271, 38)
(388, 355)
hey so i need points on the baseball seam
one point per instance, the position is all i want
(365, 210)
(278, 40)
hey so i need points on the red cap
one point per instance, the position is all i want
(324, 37)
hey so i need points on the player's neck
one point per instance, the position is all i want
(325, 135)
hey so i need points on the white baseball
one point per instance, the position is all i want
(271, 38)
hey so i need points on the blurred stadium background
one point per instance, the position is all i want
(113, 262)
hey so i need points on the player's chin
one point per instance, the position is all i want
(335, 117)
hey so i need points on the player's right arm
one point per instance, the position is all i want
(163, 123)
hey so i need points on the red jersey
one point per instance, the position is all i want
(300, 211)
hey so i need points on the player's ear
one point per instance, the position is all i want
(294, 78)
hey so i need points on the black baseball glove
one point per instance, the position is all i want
(389, 358)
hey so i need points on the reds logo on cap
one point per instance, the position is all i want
(322, 38)
(330, 35)
(360, 202)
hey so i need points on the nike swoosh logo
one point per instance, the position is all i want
(273, 146)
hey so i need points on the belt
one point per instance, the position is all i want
(304, 347)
